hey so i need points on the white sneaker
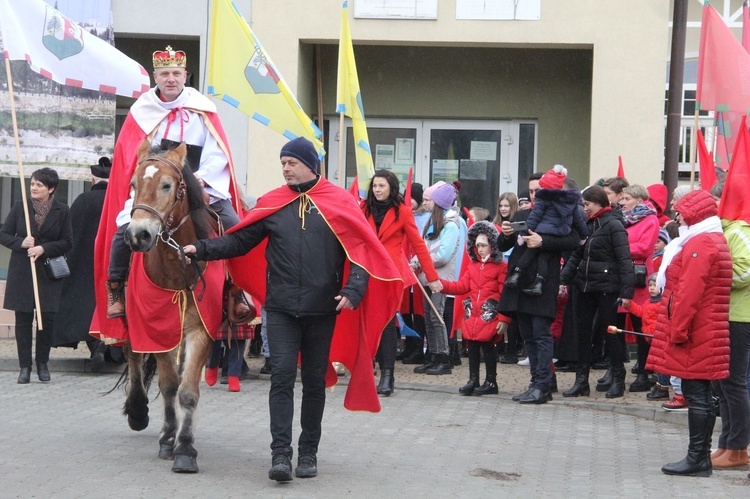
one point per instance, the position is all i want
(339, 368)
(523, 362)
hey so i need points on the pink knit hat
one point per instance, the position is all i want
(554, 179)
(428, 192)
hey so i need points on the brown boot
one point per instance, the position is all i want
(116, 294)
(239, 311)
(734, 459)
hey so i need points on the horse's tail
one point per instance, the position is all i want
(149, 371)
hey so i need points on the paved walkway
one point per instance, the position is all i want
(65, 439)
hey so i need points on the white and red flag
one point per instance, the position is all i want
(61, 50)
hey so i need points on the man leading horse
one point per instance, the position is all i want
(168, 114)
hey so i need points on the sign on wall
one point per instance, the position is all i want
(396, 9)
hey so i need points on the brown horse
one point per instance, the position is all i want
(169, 212)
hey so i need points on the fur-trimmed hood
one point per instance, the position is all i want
(489, 230)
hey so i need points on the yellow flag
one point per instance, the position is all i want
(241, 74)
(349, 102)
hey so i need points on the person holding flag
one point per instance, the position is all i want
(392, 221)
(167, 115)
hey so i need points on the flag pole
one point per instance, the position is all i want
(693, 149)
(342, 159)
(432, 305)
(319, 81)
(39, 323)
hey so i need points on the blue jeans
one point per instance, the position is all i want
(288, 338)
(537, 336)
(732, 391)
(264, 332)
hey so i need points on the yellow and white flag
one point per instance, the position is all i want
(349, 102)
(241, 73)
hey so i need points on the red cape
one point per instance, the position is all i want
(357, 332)
(123, 165)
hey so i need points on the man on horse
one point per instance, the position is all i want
(307, 251)
(167, 114)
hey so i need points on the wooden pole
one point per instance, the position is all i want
(432, 305)
(39, 323)
(342, 159)
(693, 150)
(319, 77)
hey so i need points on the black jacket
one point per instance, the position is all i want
(305, 265)
(55, 236)
(603, 264)
(512, 299)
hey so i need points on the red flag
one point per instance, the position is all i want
(746, 27)
(620, 169)
(735, 204)
(407, 189)
(723, 67)
(354, 189)
(706, 160)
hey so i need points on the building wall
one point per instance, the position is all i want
(593, 73)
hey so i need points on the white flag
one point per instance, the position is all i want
(61, 50)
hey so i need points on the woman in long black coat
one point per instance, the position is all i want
(51, 236)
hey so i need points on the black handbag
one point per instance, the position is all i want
(57, 268)
(640, 274)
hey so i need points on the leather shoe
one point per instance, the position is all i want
(25, 376)
(42, 371)
(537, 396)
(516, 398)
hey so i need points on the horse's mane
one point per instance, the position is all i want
(199, 214)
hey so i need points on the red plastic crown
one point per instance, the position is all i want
(169, 58)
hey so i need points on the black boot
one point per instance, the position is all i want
(442, 365)
(455, 354)
(429, 362)
(512, 281)
(469, 387)
(698, 459)
(42, 371)
(415, 357)
(24, 377)
(489, 387)
(641, 383)
(536, 287)
(581, 385)
(603, 383)
(617, 388)
(553, 384)
(385, 388)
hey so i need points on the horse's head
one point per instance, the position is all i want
(159, 205)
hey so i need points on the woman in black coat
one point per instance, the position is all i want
(51, 236)
(601, 271)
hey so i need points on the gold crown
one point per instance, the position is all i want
(169, 58)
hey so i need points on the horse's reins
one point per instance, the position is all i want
(165, 235)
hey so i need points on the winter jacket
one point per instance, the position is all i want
(691, 339)
(603, 264)
(513, 300)
(392, 232)
(305, 265)
(737, 233)
(55, 236)
(444, 250)
(555, 212)
(648, 312)
(483, 282)
(642, 236)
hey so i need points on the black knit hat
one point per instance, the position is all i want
(303, 150)
(417, 191)
(102, 169)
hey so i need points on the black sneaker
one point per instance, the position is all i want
(307, 466)
(281, 468)
(266, 368)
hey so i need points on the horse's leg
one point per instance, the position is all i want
(168, 383)
(196, 347)
(136, 400)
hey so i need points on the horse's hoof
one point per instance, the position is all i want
(165, 451)
(185, 464)
(137, 424)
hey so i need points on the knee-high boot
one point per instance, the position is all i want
(581, 385)
(698, 459)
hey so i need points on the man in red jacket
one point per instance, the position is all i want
(691, 339)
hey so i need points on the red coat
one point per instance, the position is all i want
(642, 237)
(691, 339)
(648, 312)
(483, 282)
(391, 235)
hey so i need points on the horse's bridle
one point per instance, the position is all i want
(167, 219)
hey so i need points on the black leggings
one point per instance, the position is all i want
(490, 357)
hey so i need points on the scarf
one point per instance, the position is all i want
(711, 224)
(379, 210)
(637, 214)
(41, 210)
(601, 212)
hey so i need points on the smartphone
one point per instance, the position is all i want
(518, 226)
